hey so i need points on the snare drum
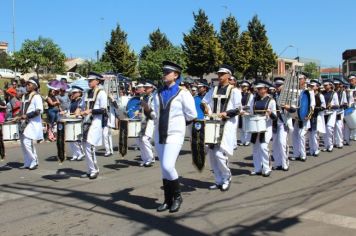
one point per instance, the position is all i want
(10, 131)
(134, 128)
(254, 123)
(72, 129)
(212, 132)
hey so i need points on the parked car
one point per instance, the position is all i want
(7, 73)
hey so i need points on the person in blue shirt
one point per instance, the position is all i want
(203, 88)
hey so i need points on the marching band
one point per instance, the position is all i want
(321, 111)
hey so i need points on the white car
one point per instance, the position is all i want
(7, 73)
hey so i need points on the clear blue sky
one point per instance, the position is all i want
(320, 29)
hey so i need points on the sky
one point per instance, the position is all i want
(315, 29)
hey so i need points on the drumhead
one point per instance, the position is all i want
(304, 105)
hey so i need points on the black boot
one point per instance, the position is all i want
(167, 197)
(177, 198)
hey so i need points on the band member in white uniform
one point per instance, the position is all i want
(172, 107)
(301, 126)
(224, 101)
(339, 124)
(317, 123)
(352, 81)
(76, 101)
(262, 104)
(332, 103)
(147, 128)
(350, 94)
(246, 102)
(31, 123)
(112, 115)
(94, 111)
(281, 127)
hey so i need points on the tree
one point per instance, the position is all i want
(244, 47)
(229, 39)
(118, 53)
(97, 66)
(41, 54)
(151, 66)
(263, 58)
(201, 47)
(312, 69)
(4, 60)
(158, 40)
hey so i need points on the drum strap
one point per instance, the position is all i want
(26, 103)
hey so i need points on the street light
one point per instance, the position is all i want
(285, 49)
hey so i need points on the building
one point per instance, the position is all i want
(330, 73)
(286, 64)
(3, 47)
(349, 64)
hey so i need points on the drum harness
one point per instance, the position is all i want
(217, 102)
(25, 106)
(261, 135)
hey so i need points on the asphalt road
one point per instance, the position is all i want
(316, 197)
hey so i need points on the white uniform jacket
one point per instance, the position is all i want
(228, 140)
(272, 108)
(34, 129)
(146, 123)
(112, 113)
(320, 125)
(334, 101)
(172, 127)
(95, 131)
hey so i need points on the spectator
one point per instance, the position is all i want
(2, 107)
(21, 88)
(15, 103)
(64, 100)
(14, 83)
(52, 112)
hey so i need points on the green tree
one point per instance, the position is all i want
(229, 39)
(263, 58)
(244, 47)
(97, 66)
(157, 41)
(39, 55)
(312, 69)
(201, 47)
(151, 66)
(118, 53)
(4, 60)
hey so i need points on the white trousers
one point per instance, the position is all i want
(220, 164)
(107, 134)
(245, 137)
(146, 148)
(92, 164)
(280, 147)
(299, 140)
(168, 154)
(339, 137)
(328, 137)
(313, 141)
(261, 160)
(76, 148)
(28, 151)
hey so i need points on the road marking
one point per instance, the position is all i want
(322, 217)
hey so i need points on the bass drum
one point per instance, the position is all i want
(304, 109)
(350, 117)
